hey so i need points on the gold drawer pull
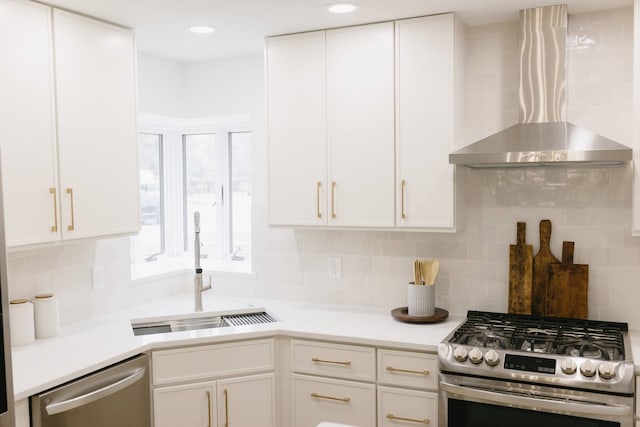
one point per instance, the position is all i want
(403, 212)
(411, 420)
(318, 186)
(408, 371)
(336, 362)
(226, 408)
(340, 399)
(333, 199)
(54, 227)
(209, 408)
(72, 226)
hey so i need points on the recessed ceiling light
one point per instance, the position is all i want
(202, 29)
(342, 7)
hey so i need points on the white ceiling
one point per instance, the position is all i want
(161, 25)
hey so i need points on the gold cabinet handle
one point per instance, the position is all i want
(403, 186)
(226, 408)
(54, 227)
(318, 185)
(72, 226)
(209, 409)
(409, 371)
(424, 421)
(336, 362)
(321, 396)
(333, 199)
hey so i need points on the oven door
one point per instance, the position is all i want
(480, 402)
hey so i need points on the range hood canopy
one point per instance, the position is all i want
(542, 137)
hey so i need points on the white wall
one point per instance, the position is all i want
(590, 206)
(161, 87)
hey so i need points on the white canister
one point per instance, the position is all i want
(421, 300)
(46, 315)
(21, 322)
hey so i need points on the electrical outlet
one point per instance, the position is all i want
(97, 277)
(335, 267)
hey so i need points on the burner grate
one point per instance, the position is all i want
(548, 335)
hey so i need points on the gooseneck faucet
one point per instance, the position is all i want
(199, 287)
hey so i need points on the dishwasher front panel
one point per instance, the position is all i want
(115, 396)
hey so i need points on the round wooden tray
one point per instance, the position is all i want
(402, 314)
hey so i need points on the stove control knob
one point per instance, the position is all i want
(607, 370)
(460, 354)
(475, 356)
(492, 358)
(588, 368)
(568, 366)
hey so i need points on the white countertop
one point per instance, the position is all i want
(85, 347)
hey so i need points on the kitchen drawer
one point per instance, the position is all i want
(408, 369)
(190, 364)
(406, 407)
(334, 360)
(323, 399)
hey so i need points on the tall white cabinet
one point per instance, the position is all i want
(67, 125)
(429, 74)
(27, 123)
(361, 122)
(360, 125)
(296, 92)
(96, 109)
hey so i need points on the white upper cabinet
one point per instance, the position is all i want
(428, 62)
(67, 125)
(297, 129)
(27, 123)
(96, 109)
(360, 125)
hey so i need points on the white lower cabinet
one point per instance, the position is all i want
(226, 385)
(317, 399)
(398, 406)
(184, 405)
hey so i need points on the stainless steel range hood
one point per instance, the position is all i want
(542, 137)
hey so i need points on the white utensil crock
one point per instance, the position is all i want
(421, 300)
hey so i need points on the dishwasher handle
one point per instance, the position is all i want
(76, 402)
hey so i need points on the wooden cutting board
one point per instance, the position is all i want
(568, 287)
(541, 261)
(520, 273)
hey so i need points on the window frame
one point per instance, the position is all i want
(172, 132)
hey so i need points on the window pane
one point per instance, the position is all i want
(240, 195)
(151, 238)
(200, 186)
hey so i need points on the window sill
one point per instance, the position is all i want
(174, 266)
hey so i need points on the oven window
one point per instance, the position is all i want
(471, 414)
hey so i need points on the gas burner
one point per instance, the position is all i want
(587, 348)
(537, 340)
(486, 339)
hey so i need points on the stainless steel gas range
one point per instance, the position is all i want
(507, 370)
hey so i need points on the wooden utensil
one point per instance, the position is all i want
(568, 287)
(520, 273)
(541, 261)
(433, 272)
(426, 271)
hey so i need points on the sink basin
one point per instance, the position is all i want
(195, 321)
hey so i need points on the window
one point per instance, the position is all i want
(150, 241)
(188, 166)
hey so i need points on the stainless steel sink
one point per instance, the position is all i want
(190, 322)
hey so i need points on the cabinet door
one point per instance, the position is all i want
(247, 401)
(297, 129)
(97, 148)
(317, 399)
(424, 105)
(190, 405)
(360, 125)
(27, 133)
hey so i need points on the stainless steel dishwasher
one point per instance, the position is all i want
(115, 396)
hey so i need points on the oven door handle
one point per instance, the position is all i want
(538, 403)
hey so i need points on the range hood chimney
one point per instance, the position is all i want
(542, 137)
